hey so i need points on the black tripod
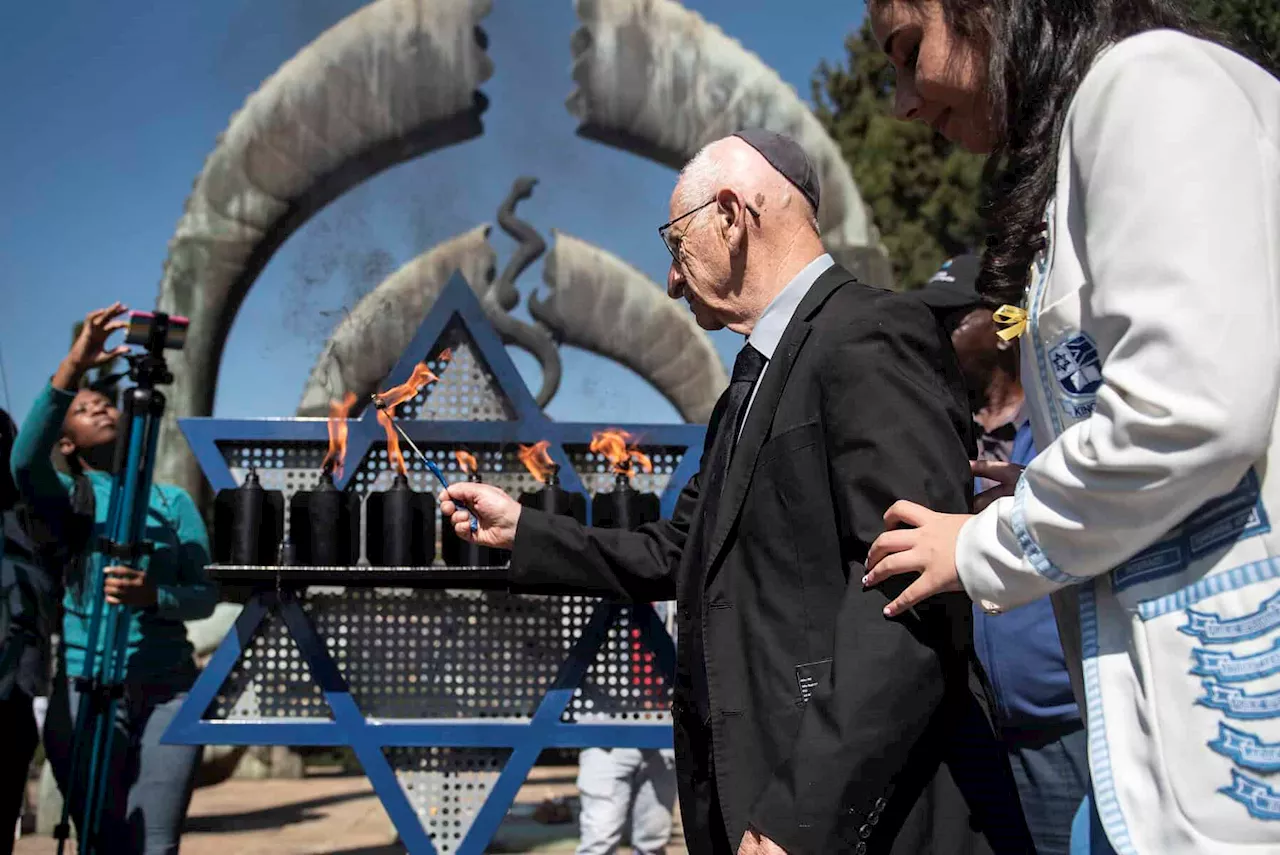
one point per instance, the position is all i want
(101, 683)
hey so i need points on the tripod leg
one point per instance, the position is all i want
(105, 746)
(66, 749)
(81, 726)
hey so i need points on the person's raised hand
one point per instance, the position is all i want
(497, 514)
(89, 350)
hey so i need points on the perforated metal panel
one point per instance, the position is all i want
(447, 787)
(445, 654)
(466, 390)
(623, 683)
(442, 654)
(270, 680)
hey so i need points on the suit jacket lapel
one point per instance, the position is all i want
(760, 417)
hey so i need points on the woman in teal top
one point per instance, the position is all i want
(150, 786)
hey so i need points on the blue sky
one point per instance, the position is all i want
(111, 109)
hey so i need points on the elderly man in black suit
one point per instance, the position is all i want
(805, 721)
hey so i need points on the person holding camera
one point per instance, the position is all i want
(149, 784)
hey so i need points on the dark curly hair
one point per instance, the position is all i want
(1038, 53)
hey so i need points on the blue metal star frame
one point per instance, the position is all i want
(348, 726)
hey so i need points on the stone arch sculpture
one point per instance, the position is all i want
(347, 106)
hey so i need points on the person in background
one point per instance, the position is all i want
(1133, 246)
(1036, 712)
(150, 784)
(621, 786)
(28, 606)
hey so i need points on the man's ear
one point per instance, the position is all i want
(732, 218)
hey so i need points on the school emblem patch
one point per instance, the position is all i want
(1078, 370)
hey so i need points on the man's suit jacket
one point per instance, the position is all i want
(828, 723)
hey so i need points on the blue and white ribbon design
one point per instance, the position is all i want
(1212, 629)
(1229, 668)
(1247, 750)
(1261, 801)
(1237, 703)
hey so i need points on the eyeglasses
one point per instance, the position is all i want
(673, 243)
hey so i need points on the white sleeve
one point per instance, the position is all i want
(1174, 183)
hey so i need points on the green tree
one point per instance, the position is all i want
(1252, 26)
(922, 190)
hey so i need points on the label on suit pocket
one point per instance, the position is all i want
(810, 676)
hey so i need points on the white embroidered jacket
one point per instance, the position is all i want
(1152, 369)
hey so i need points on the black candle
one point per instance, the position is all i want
(554, 499)
(325, 525)
(624, 507)
(399, 526)
(248, 524)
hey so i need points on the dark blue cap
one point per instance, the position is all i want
(785, 155)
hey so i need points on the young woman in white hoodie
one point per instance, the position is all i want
(1134, 236)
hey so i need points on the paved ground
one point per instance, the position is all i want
(333, 814)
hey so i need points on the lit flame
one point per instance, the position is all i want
(393, 443)
(445, 355)
(337, 454)
(466, 460)
(394, 397)
(397, 395)
(536, 459)
(613, 444)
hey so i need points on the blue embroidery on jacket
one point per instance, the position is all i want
(1246, 749)
(1078, 370)
(1222, 521)
(1160, 559)
(1237, 703)
(1229, 668)
(1261, 801)
(1213, 629)
(1216, 524)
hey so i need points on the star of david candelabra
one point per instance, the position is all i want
(445, 686)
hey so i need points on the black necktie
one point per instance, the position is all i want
(747, 369)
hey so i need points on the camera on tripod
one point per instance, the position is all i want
(147, 327)
(156, 332)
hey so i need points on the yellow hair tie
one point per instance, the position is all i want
(1013, 318)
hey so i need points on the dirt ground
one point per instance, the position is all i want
(329, 813)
